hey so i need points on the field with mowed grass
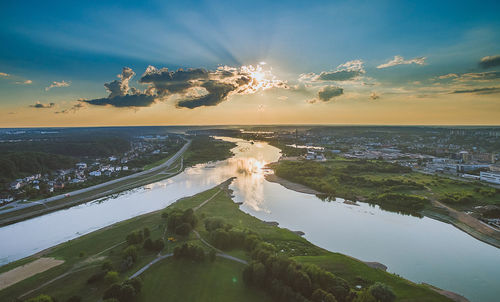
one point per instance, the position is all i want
(185, 280)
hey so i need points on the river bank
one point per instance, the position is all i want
(437, 210)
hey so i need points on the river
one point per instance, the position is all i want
(419, 249)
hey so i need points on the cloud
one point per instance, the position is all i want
(486, 90)
(194, 87)
(399, 60)
(40, 105)
(330, 92)
(58, 85)
(282, 98)
(448, 76)
(3, 74)
(27, 82)
(122, 95)
(374, 96)
(489, 61)
(73, 109)
(344, 72)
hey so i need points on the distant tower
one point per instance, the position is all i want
(296, 137)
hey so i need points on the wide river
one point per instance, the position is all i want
(419, 249)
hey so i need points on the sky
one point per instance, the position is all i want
(113, 63)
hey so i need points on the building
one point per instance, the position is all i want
(95, 173)
(492, 177)
(81, 166)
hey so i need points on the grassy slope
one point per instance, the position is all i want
(191, 283)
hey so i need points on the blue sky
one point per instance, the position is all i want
(87, 43)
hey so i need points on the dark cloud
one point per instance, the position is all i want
(166, 81)
(217, 93)
(486, 90)
(328, 93)
(40, 105)
(341, 75)
(129, 100)
(121, 94)
(489, 61)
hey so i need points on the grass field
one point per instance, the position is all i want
(186, 280)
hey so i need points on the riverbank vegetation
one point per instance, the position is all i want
(205, 149)
(389, 185)
(282, 266)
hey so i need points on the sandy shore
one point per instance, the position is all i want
(25, 271)
(290, 185)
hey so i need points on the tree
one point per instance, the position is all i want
(183, 229)
(146, 233)
(148, 244)
(382, 292)
(111, 277)
(41, 298)
(107, 266)
(130, 253)
(220, 238)
(320, 295)
(158, 245)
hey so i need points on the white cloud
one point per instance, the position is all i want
(399, 60)
(56, 84)
(27, 82)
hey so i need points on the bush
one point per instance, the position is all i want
(74, 299)
(130, 253)
(96, 277)
(183, 229)
(41, 298)
(382, 292)
(111, 277)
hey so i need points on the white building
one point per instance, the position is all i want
(493, 177)
(81, 166)
(95, 173)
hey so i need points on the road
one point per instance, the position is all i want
(115, 186)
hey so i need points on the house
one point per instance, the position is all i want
(492, 177)
(112, 158)
(311, 155)
(95, 173)
(81, 166)
(125, 168)
(16, 185)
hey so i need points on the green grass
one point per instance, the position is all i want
(157, 163)
(184, 280)
(357, 273)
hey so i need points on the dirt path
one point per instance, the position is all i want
(25, 271)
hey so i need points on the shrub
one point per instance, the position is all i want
(111, 277)
(183, 229)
